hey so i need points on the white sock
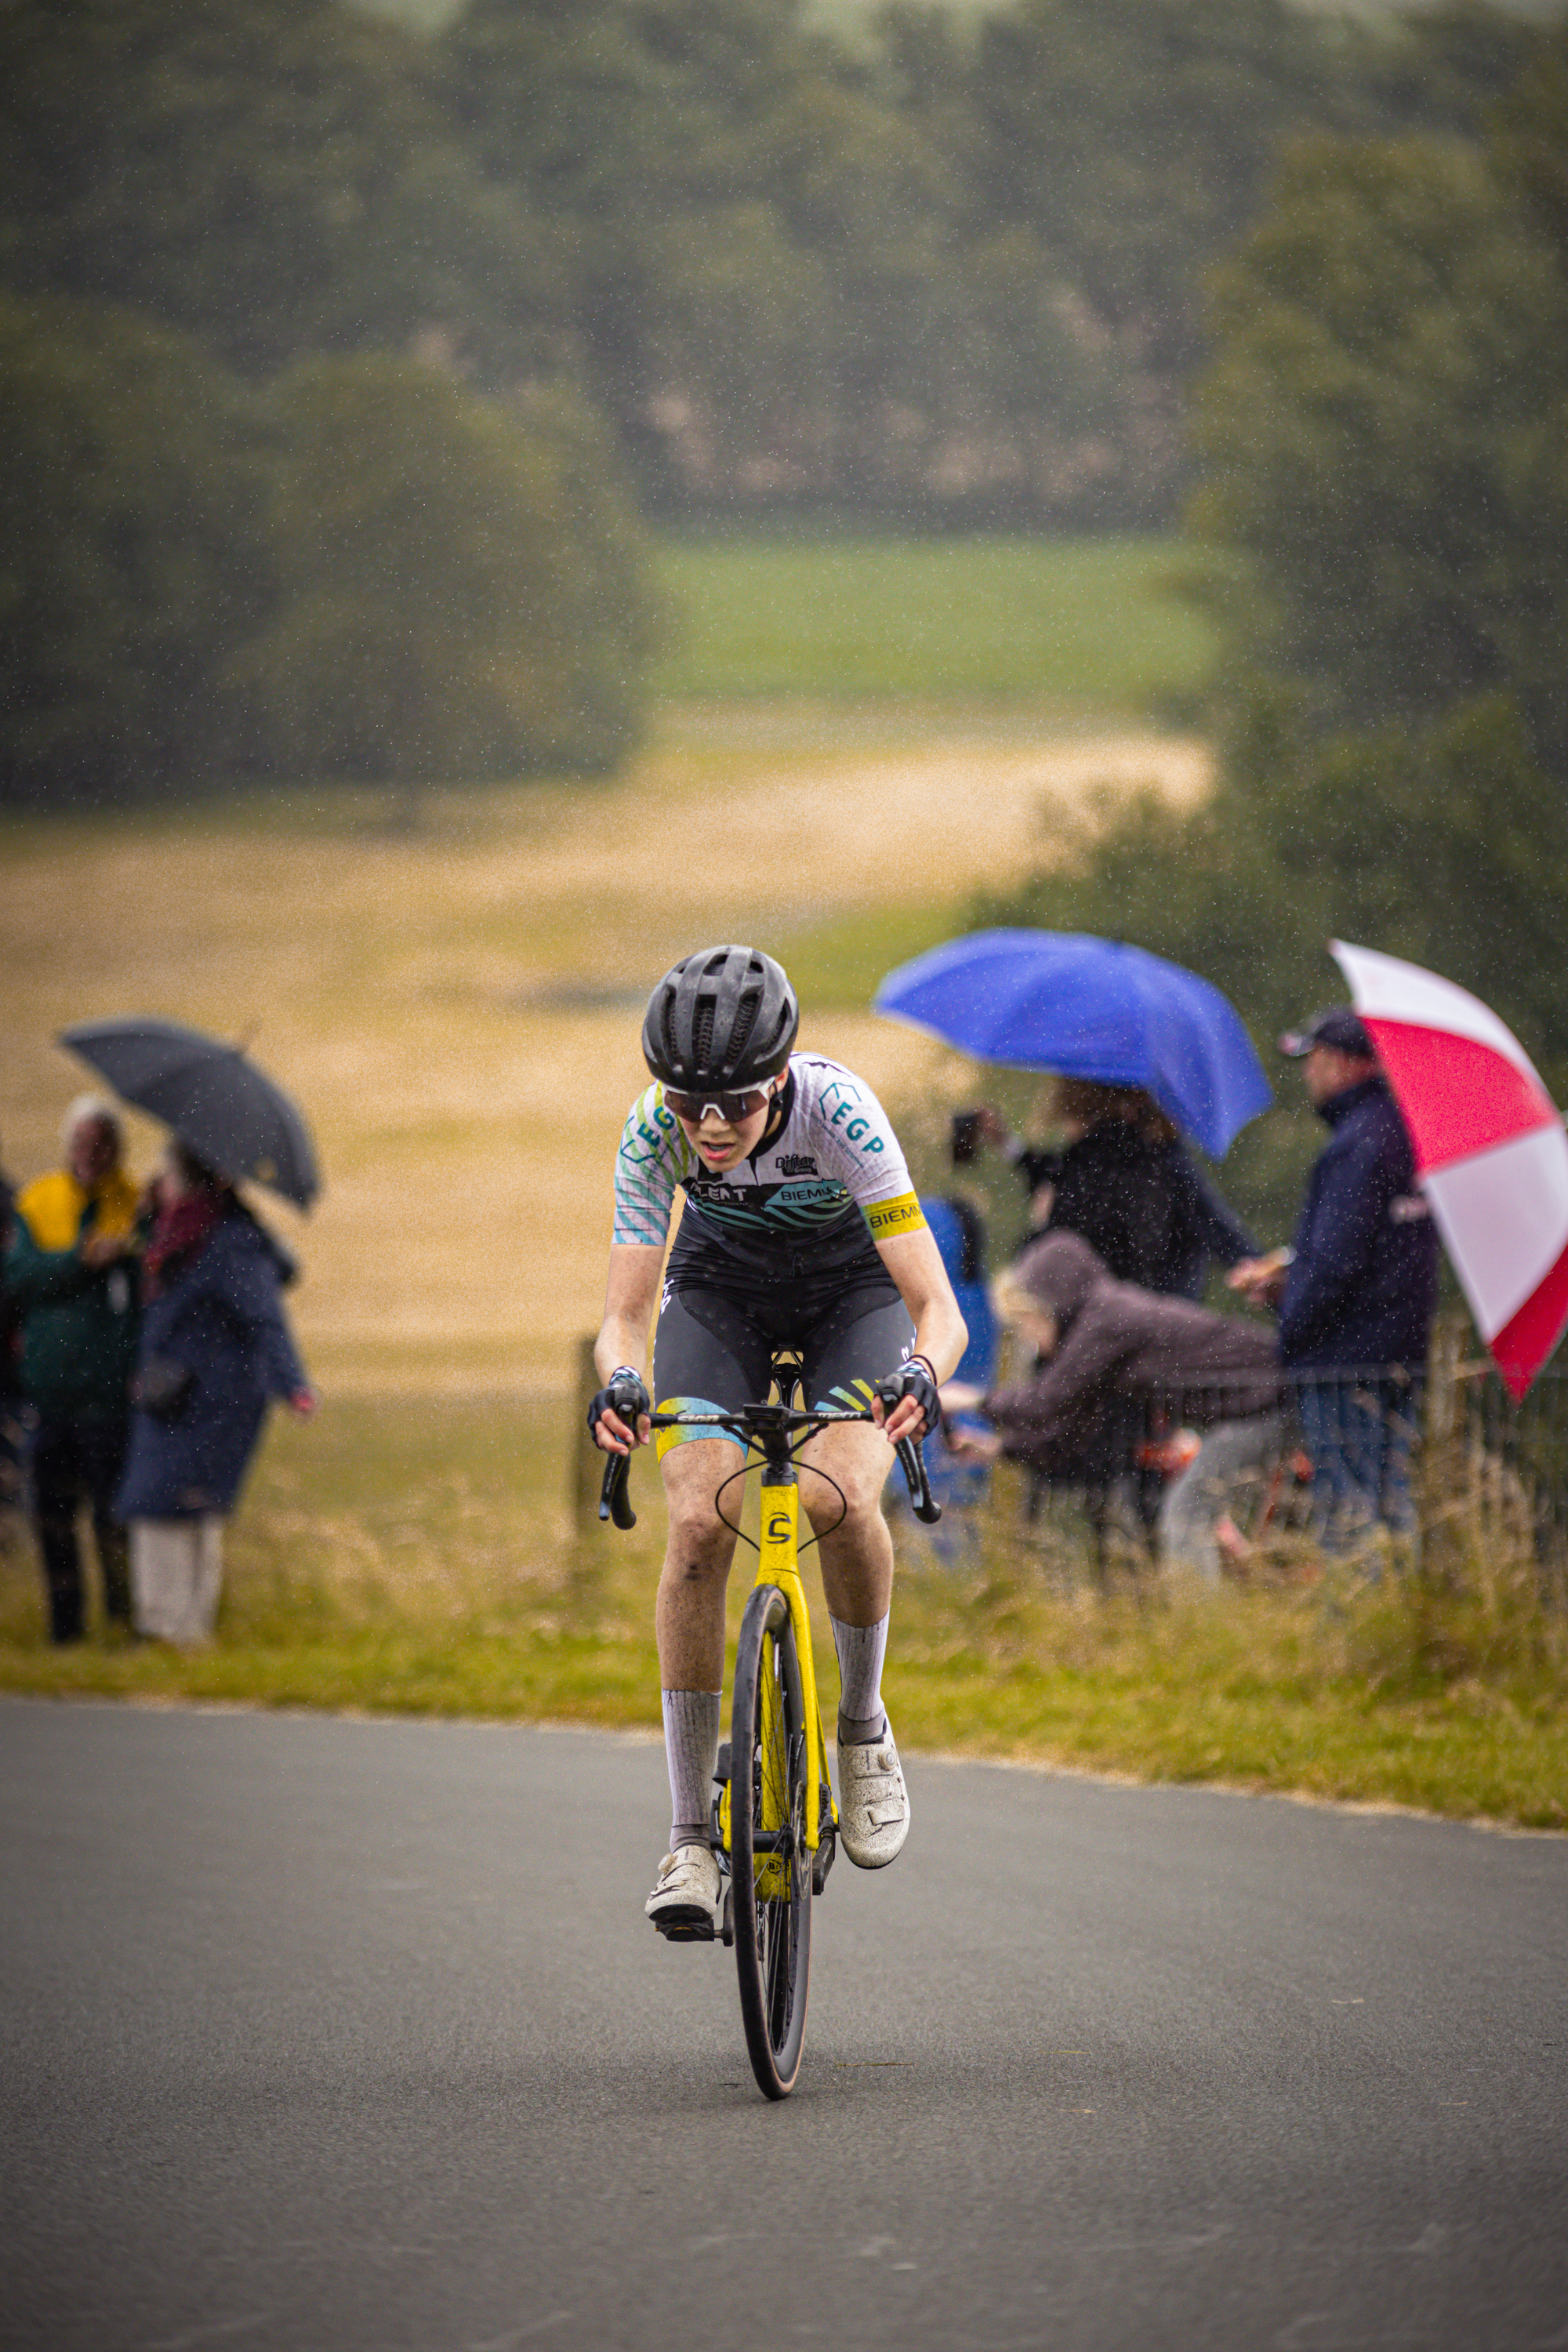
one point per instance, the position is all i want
(861, 1649)
(690, 1752)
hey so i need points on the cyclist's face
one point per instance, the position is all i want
(722, 1143)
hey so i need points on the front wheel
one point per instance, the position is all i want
(770, 1863)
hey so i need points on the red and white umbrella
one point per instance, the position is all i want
(1490, 1150)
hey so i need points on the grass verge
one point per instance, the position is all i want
(412, 1556)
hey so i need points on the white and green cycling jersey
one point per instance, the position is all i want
(831, 1176)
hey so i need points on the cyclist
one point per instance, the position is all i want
(800, 1230)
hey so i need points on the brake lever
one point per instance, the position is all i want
(614, 1491)
(911, 1461)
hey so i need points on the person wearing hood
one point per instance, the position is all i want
(70, 1285)
(1097, 1340)
(215, 1350)
(1356, 1293)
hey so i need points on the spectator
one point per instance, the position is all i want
(1038, 1166)
(1126, 1184)
(12, 1403)
(960, 1486)
(959, 1231)
(71, 1288)
(215, 1349)
(1100, 1340)
(1355, 1295)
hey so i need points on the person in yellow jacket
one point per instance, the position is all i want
(71, 1281)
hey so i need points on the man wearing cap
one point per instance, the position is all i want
(1356, 1293)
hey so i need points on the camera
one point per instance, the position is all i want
(963, 1142)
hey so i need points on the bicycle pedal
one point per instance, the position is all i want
(686, 1931)
(822, 1860)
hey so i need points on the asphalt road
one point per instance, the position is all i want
(350, 2037)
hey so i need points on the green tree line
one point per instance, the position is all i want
(957, 274)
(687, 253)
(1382, 436)
(366, 570)
(954, 277)
(257, 512)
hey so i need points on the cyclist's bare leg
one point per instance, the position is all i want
(690, 1617)
(690, 1613)
(858, 1552)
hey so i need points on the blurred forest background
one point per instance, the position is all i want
(492, 491)
(354, 372)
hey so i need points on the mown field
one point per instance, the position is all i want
(453, 987)
(1065, 626)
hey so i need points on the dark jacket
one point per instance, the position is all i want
(10, 1321)
(1117, 1339)
(1365, 1280)
(1145, 1209)
(959, 1238)
(222, 1318)
(77, 1322)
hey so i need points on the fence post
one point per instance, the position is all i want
(587, 1462)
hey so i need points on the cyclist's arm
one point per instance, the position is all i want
(630, 1297)
(940, 1333)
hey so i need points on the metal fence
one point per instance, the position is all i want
(1251, 1475)
(1495, 1470)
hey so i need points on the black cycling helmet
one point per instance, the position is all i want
(719, 1020)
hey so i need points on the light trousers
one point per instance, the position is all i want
(176, 1576)
(1231, 1467)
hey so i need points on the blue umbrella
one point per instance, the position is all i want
(1089, 1009)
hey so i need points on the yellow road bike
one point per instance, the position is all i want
(774, 1823)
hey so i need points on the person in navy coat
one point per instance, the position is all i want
(215, 1350)
(1356, 1293)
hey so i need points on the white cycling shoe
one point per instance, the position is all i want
(689, 1892)
(873, 1803)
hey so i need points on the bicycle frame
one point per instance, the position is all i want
(777, 1431)
(778, 1562)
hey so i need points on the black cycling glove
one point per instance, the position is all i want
(625, 1395)
(915, 1378)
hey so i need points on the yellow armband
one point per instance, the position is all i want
(902, 1214)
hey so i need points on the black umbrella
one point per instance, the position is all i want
(229, 1112)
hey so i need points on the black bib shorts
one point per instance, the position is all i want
(716, 1342)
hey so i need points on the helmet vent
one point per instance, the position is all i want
(746, 1022)
(702, 1037)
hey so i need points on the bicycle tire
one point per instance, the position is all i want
(772, 1904)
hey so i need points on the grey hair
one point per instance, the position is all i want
(91, 1107)
(1011, 1299)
